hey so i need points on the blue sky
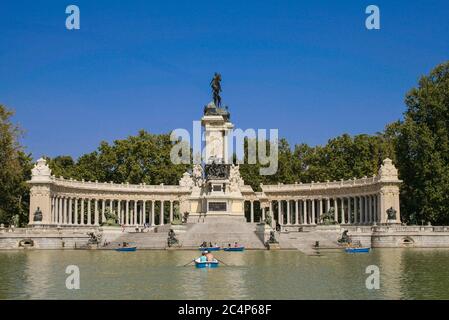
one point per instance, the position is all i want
(309, 68)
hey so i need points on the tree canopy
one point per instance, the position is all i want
(144, 158)
(422, 149)
(15, 168)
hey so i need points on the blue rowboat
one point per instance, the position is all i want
(234, 249)
(357, 250)
(126, 249)
(207, 264)
(209, 248)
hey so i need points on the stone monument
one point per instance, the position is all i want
(216, 183)
(40, 203)
(389, 193)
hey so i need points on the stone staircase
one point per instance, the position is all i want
(305, 241)
(220, 230)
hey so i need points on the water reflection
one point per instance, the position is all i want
(405, 274)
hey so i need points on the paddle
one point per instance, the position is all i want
(188, 263)
(222, 262)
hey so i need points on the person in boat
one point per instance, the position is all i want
(125, 244)
(209, 256)
(236, 245)
(203, 257)
(229, 245)
(215, 245)
(210, 244)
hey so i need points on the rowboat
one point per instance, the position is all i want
(209, 248)
(126, 249)
(207, 264)
(234, 249)
(357, 250)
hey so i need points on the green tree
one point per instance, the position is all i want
(422, 148)
(15, 168)
(144, 158)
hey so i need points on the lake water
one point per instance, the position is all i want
(404, 274)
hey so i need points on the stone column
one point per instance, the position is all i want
(52, 211)
(336, 210)
(82, 212)
(65, 212)
(161, 220)
(75, 212)
(152, 213)
(355, 210)
(367, 210)
(263, 213)
(136, 211)
(55, 220)
(89, 212)
(313, 211)
(111, 204)
(127, 213)
(171, 211)
(360, 209)
(319, 210)
(70, 221)
(304, 211)
(119, 212)
(279, 212)
(364, 210)
(342, 214)
(59, 219)
(252, 211)
(376, 208)
(349, 211)
(297, 212)
(103, 209)
(96, 215)
(144, 210)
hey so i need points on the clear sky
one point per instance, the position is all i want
(309, 68)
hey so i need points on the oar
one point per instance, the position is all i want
(188, 263)
(222, 262)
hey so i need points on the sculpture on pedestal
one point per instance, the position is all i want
(216, 89)
(235, 179)
(197, 175)
(391, 214)
(37, 215)
(172, 240)
(40, 171)
(217, 171)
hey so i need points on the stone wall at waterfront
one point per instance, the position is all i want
(32, 238)
(402, 236)
(394, 236)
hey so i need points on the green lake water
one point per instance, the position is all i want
(404, 274)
